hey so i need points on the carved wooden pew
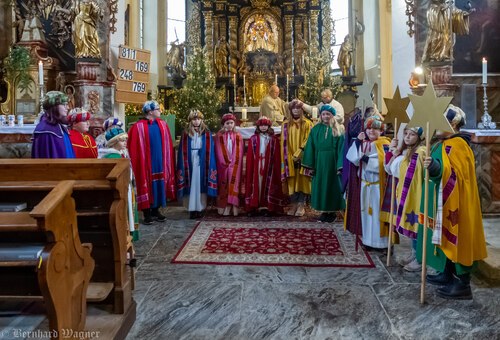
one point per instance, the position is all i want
(100, 194)
(41, 256)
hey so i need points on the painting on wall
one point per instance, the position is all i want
(482, 40)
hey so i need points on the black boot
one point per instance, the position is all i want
(193, 215)
(444, 278)
(458, 288)
(323, 217)
(155, 213)
(148, 220)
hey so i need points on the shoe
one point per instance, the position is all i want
(440, 279)
(330, 217)
(322, 217)
(292, 209)
(457, 289)
(409, 258)
(192, 215)
(148, 220)
(155, 213)
(300, 210)
(413, 266)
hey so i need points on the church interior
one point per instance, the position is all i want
(88, 279)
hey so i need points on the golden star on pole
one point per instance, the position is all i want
(364, 99)
(429, 108)
(396, 108)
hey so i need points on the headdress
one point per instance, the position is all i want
(329, 109)
(53, 98)
(418, 130)
(78, 115)
(150, 105)
(226, 117)
(263, 121)
(455, 115)
(195, 114)
(114, 134)
(112, 122)
(374, 122)
(295, 104)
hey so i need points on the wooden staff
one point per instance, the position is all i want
(426, 216)
(393, 193)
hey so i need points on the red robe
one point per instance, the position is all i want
(83, 144)
(140, 156)
(271, 195)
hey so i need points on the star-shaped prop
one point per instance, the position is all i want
(364, 99)
(396, 108)
(429, 108)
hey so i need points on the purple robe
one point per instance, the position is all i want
(51, 141)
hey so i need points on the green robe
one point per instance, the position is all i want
(323, 155)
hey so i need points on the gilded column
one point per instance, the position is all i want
(233, 44)
(314, 43)
(209, 35)
(288, 43)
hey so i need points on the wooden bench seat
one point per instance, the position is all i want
(41, 257)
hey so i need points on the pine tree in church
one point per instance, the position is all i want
(199, 92)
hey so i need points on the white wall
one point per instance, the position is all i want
(403, 50)
(150, 36)
(117, 39)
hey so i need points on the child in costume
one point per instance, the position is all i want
(116, 142)
(263, 171)
(294, 133)
(229, 153)
(83, 144)
(456, 241)
(323, 157)
(196, 166)
(111, 122)
(369, 154)
(405, 163)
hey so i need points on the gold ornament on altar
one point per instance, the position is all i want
(259, 35)
(261, 3)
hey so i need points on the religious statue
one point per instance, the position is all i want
(85, 16)
(279, 65)
(221, 54)
(175, 58)
(300, 54)
(60, 82)
(242, 68)
(344, 58)
(444, 19)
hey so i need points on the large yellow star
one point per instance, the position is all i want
(429, 108)
(396, 108)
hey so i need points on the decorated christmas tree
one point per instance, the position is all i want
(199, 92)
(317, 77)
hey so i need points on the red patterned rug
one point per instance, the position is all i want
(275, 243)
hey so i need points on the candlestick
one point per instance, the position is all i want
(286, 99)
(276, 78)
(486, 122)
(485, 71)
(243, 114)
(40, 73)
(314, 113)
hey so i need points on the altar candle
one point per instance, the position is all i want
(234, 88)
(485, 71)
(244, 89)
(314, 113)
(286, 99)
(243, 114)
(276, 78)
(40, 73)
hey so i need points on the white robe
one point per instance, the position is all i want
(196, 201)
(370, 193)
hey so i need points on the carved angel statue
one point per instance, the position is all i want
(344, 59)
(175, 58)
(221, 54)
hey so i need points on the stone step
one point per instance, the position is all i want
(489, 268)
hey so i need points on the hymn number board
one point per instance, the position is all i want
(133, 75)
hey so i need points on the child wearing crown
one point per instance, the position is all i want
(196, 166)
(229, 153)
(83, 144)
(263, 171)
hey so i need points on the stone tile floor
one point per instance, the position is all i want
(178, 301)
